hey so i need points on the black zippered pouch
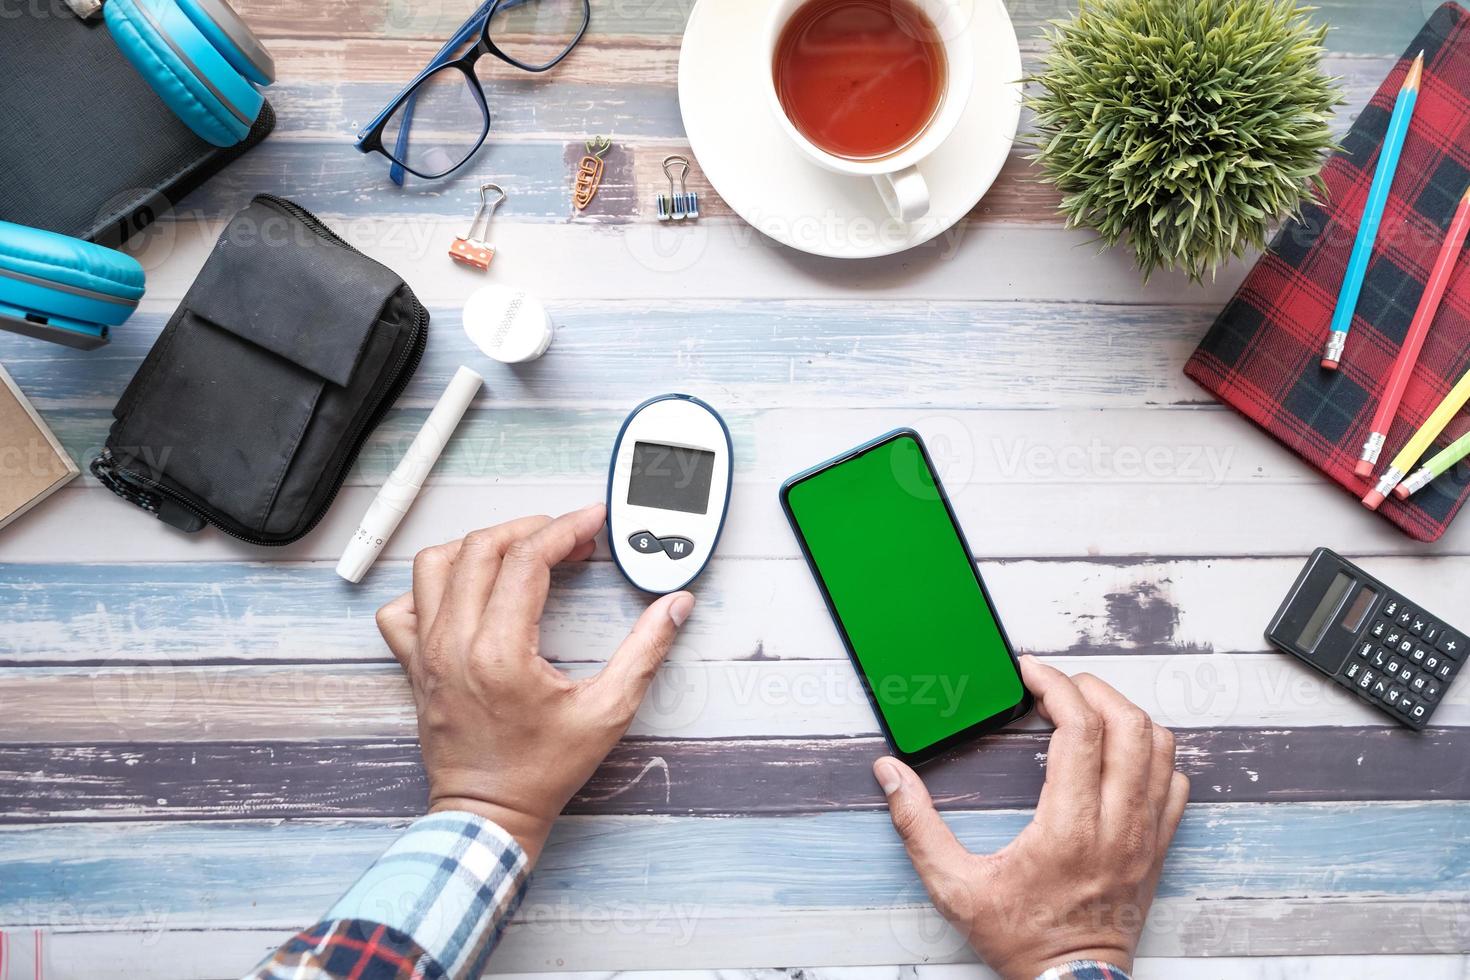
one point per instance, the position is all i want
(250, 409)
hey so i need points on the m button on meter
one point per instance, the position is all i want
(676, 547)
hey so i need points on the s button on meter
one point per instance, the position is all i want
(645, 543)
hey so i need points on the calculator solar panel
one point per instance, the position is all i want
(1374, 641)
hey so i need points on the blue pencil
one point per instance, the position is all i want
(1388, 165)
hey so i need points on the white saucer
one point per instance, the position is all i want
(767, 181)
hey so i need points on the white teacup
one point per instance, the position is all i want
(897, 175)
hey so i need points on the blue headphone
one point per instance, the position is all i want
(205, 64)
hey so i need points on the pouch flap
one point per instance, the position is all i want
(274, 281)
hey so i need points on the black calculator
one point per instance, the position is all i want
(1391, 652)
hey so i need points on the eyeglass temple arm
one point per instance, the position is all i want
(467, 30)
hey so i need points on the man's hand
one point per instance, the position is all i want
(1076, 884)
(505, 734)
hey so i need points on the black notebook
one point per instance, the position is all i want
(87, 147)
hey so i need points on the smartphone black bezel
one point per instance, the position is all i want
(983, 727)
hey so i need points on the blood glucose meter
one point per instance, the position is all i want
(668, 489)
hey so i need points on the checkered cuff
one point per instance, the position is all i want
(1084, 970)
(434, 905)
(449, 882)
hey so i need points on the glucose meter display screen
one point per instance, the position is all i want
(671, 477)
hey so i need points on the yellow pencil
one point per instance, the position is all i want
(1419, 442)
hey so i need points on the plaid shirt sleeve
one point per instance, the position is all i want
(1085, 970)
(433, 906)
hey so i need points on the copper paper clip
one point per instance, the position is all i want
(589, 172)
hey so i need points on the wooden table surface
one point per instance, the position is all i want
(202, 744)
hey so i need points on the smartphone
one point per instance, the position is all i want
(881, 538)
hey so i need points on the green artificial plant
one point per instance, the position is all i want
(1184, 128)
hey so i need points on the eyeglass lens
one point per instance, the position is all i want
(536, 32)
(448, 124)
(444, 117)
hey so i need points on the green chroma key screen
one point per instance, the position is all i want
(896, 572)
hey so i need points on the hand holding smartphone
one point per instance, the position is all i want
(881, 538)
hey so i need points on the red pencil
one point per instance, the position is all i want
(1403, 367)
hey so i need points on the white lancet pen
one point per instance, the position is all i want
(403, 484)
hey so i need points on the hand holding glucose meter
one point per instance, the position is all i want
(668, 488)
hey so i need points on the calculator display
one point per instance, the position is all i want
(1311, 634)
(671, 477)
(1359, 610)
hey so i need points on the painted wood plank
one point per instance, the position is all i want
(218, 873)
(983, 456)
(703, 261)
(225, 953)
(1005, 521)
(534, 151)
(975, 450)
(690, 699)
(334, 180)
(324, 169)
(536, 167)
(750, 777)
(1144, 968)
(1358, 26)
(979, 453)
(1238, 928)
(622, 85)
(1253, 927)
(625, 88)
(763, 610)
(344, 62)
(750, 356)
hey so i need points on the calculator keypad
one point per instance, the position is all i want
(1368, 638)
(1404, 660)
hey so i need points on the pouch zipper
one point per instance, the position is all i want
(408, 361)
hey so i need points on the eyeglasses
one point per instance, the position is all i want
(446, 101)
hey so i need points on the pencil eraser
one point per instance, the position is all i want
(1401, 492)
(1328, 365)
(1364, 468)
(1373, 500)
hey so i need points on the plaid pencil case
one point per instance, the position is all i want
(1262, 354)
